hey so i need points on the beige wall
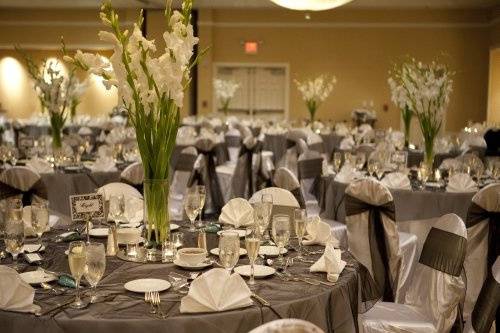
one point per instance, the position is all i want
(357, 46)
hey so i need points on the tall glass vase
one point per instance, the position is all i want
(56, 138)
(429, 151)
(156, 216)
(407, 115)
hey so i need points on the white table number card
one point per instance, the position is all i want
(86, 206)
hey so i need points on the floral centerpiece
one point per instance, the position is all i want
(400, 98)
(59, 95)
(151, 86)
(315, 91)
(224, 92)
(425, 90)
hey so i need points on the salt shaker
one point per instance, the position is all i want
(112, 244)
(202, 239)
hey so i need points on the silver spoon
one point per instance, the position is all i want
(47, 286)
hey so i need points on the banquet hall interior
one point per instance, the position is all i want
(263, 166)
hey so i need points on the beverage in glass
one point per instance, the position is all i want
(229, 249)
(95, 267)
(281, 233)
(77, 259)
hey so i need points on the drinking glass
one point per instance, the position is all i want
(281, 233)
(299, 223)
(229, 249)
(77, 262)
(371, 167)
(95, 267)
(116, 207)
(39, 219)
(203, 194)
(14, 231)
(423, 173)
(337, 161)
(360, 160)
(267, 200)
(192, 206)
(252, 244)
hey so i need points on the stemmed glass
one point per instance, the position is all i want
(79, 153)
(39, 219)
(14, 230)
(202, 193)
(192, 206)
(95, 267)
(77, 263)
(116, 207)
(360, 160)
(372, 167)
(229, 249)
(299, 223)
(252, 244)
(337, 161)
(423, 174)
(281, 233)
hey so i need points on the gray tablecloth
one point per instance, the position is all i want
(61, 185)
(331, 308)
(331, 142)
(277, 144)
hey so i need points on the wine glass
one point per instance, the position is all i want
(371, 167)
(192, 206)
(14, 230)
(267, 201)
(281, 233)
(423, 174)
(229, 249)
(252, 244)
(77, 262)
(203, 194)
(337, 161)
(299, 223)
(39, 219)
(95, 267)
(360, 160)
(116, 207)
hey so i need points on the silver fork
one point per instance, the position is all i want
(157, 302)
(149, 299)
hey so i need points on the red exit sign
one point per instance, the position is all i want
(251, 47)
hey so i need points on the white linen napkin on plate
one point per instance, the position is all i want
(15, 294)
(347, 174)
(461, 182)
(39, 165)
(103, 164)
(215, 291)
(318, 233)
(347, 143)
(397, 180)
(330, 262)
(237, 212)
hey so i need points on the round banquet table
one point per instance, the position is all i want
(333, 308)
(416, 210)
(61, 185)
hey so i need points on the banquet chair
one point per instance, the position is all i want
(483, 247)
(285, 179)
(182, 174)
(287, 325)
(310, 168)
(118, 189)
(24, 183)
(373, 238)
(233, 143)
(315, 142)
(432, 303)
(486, 308)
(284, 202)
(296, 144)
(134, 175)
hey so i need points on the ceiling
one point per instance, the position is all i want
(248, 3)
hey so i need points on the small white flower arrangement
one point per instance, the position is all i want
(224, 92)
(315, 92)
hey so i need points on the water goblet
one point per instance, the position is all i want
(95, 267)
(77, 263)
(299, 223)
(192, 206)
(39, 219)
(252, 244)
(202, 193)
(14, 232)
(337, 161)
(281, 233)
(229, 249)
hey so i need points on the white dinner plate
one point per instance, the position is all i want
(37, 277)
(433, 184)
(260, 271)
(99, 232)
(240, 232)
(174, 226)
(147, 285)
(215, 251)
(271, 251)
(30, 248)
(187, 266)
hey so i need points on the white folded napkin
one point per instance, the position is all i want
(341, 129)
(134, 212)
(443, 146)
(330, 262)
(397, 180)
(39, 165)
(461, 182)
(347, 174)
(103, 164)
(318, 233)
(237, 212)
(347, 143)
(451, 163)
(216, 290)
(15, 294)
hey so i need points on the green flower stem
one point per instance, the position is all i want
(407, 115)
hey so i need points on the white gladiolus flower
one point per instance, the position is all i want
(225, 90)
(315, 91)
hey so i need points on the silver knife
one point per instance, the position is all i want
(261, 300)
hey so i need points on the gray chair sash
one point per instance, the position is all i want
(486, 308)
(318, 146)
(311, 168)
(39, 189)
(297, 193)
(477, 214)
(248, 152)
(378, 248)
(185, 162)
(233, 140)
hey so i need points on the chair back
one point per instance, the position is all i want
(133, 174)
(233, 143)
(22, 182)
(287, 326)
(310, 169)
(438, 287)
(285, 179)
(284, 202)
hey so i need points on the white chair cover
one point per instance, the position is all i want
(133, 174)
(284, 202)
(432, 302)
(180, 180)
(285, 179)
(117, 189)
(24, 183)
(288, 326)
(395, 254)
(480, 223)
(233, 143)
(296, 144)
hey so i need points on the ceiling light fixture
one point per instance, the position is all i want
(310, 4)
